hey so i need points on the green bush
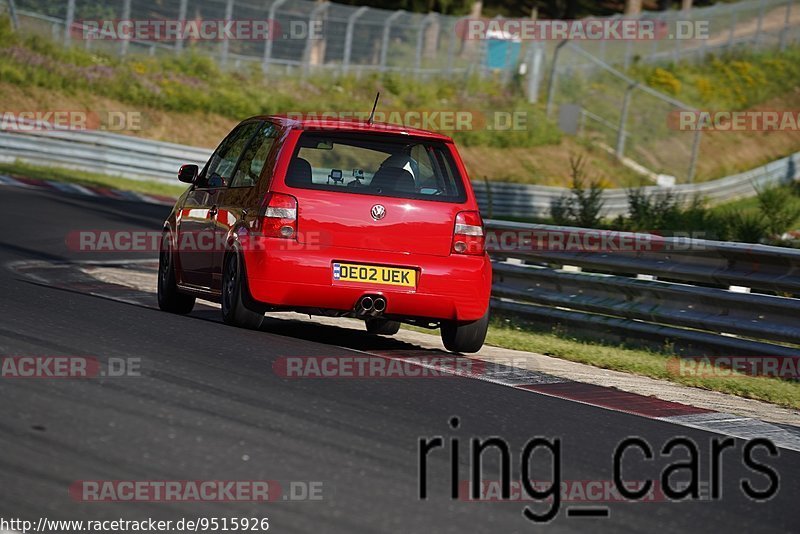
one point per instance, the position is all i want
(581, 207)
(776, 210)
(747, 227)
(779, 211)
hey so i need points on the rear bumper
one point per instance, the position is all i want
(292, 275)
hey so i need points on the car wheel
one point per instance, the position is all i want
(169, 298)
(465, 337)
(234, 311)
(383, 327)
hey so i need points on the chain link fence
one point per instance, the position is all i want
(307, 35)
(681, 35)
(623, 116)
(586, 78)
(355, 39)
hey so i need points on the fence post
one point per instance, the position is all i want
(623, 119)
(12, 11)
(704, 45)
(307, 53)
(225, 42)
(602, 51)
(535, 73)
(695, 153)
(760, 23)
(271, 38)
(551, 83)
(452, 44)
(126, 14)
(627, 60)
(348, 39)
(69, 21)
(182, 18)
(732, 33)
(420, 39)
(387, 28)
(786, 25)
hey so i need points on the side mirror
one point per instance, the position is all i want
(188, 173)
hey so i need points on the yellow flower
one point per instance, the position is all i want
(705, 89)
(665, 81)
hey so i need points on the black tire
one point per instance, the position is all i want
(465, 337)
(383, 327)
(234, 312)
(170, 299)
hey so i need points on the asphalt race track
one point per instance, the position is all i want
(208, 406)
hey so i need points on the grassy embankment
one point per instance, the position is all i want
(190, 100)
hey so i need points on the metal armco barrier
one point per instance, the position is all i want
(522, 200)
(734, 298)
(132, 157)
(100, 152)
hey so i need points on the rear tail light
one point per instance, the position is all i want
(468, 236)
(279, 216)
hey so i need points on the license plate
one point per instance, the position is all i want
(374, 274)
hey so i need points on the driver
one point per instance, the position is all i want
(402, 161)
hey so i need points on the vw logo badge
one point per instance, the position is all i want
(378, 212)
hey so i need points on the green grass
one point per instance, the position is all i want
(743, 80)
(86, 178)
(190, 83)
(653, 364)
(750, 204)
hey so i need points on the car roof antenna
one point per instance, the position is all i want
(375, 105)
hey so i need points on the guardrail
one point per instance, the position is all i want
(99, 152)
(132, 157)
(731, 298)
(523, 200)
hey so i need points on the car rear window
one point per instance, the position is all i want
(401, 167)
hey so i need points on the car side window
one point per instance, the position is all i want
(219, 171)
(255, 156)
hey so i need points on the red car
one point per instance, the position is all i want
(338, 218)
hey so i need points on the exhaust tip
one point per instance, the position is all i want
(366, 303)
(380, 304)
